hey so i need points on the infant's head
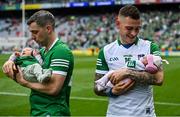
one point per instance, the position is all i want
(27, 51)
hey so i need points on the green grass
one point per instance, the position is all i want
(83, 101)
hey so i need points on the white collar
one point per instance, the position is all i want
(53, 43)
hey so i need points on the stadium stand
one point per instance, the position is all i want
(94, 30)
(10, 2)
(63, 1)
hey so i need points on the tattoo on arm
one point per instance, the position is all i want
(142, 77)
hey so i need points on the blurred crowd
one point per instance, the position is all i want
(10, 2)
(65, 1)
(95, 31)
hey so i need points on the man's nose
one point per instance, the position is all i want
(134, 32)
(33, 37)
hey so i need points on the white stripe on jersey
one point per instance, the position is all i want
(101, 71)
(99, 61)
(60, 65)
(60, 72)
(156, 53)
(62, 60)
(99, 64)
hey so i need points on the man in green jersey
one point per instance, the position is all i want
(133, 97)
(51, 98)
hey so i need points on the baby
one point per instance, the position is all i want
(30, 62)
(149, 63)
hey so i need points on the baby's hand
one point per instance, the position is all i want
(35, 52)
(144, 60)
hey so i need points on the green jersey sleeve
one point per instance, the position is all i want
(61, 61)
(155, 49)
(101, 64)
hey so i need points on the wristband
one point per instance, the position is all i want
(109, 93)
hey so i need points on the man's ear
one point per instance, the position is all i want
(49, 28)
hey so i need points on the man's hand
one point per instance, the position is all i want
(123, 86)
(117, 75)
(19, 77)
(9, 68)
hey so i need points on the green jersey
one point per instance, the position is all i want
(60, 59)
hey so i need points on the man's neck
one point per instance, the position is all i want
(124, 42)
(51, 41)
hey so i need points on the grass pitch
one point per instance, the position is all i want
(14, 98)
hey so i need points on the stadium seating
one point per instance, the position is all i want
(81, 32)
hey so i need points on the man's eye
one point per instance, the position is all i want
(129, 28)
(138, 28)
(34, 32)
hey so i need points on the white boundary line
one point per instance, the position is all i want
(86, 98)
(13, 94)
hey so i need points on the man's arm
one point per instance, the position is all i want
(138, 76)
(146, 78)
(52, 87)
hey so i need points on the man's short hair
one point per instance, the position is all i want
(129, 11)
(42, 18)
